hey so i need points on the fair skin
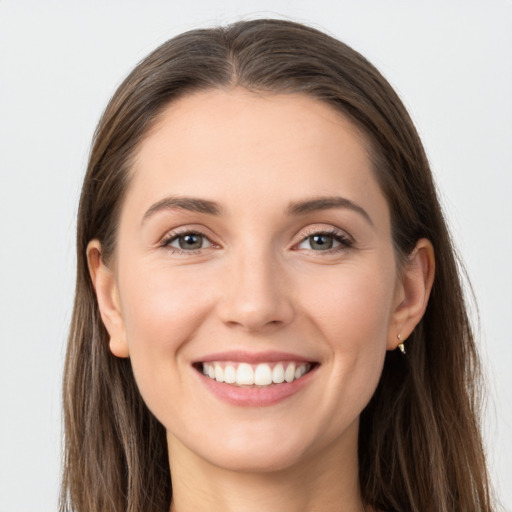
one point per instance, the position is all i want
(250, 269)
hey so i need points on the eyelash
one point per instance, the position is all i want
(171, 237)
(344, 241)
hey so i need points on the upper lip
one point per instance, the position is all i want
(253, 357)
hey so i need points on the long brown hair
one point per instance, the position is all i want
(419, 444)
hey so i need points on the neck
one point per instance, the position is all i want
(326, 482)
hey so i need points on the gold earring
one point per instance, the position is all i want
(401, 344)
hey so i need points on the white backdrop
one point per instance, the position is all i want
(451, 61)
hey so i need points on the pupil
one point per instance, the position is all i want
(321, 242)
(190, 242)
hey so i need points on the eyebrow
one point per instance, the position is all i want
(326, 203)
(197, 205)
(191, 204)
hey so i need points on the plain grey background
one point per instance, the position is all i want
(451, 62)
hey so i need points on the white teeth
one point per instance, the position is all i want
(219, 373)
(244, 375)
(300, 371)
(263, 375)
(230, 374)
(278, 374)
(260, 375)
(289, 374)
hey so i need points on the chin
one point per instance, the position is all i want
(244, 460)
(246, 448)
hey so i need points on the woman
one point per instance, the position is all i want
(268, 312)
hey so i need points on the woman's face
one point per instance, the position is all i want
(254, 243)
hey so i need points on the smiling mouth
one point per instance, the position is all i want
(254, 375)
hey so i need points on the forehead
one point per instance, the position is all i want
(220, 144)
(257, 117)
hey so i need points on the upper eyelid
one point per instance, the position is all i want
(328, 230)
(184, 230)
(175, 236)
(341, 240)
(172, 236)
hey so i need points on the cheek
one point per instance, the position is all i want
(160, 304)
(161, 313)
(352, 311)
(352, 305)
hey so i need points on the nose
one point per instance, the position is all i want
(256, 295)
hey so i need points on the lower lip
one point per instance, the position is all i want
(254, 396)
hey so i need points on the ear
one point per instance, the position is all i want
(109, 304)
(412, 293)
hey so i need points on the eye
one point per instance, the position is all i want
(325, 241)
(187, 242)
